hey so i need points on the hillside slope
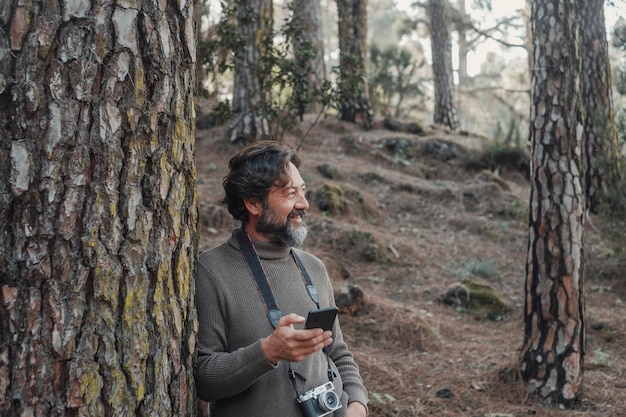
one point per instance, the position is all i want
(421, 214)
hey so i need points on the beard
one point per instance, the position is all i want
(283, 233)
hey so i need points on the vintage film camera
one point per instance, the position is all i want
(319, 401)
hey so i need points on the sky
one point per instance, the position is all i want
(502, 8)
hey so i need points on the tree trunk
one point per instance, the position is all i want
(552, 356)
(311, 15)
(443, 74)
(251, 121)
(464, 46)
(352, 20)
(200, 11)
(98, 209)
(600, 154)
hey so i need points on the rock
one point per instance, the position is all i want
(392, 124)
(327, 170)
(444, 393)
(480, 300)
(400, 147)
(350, 299)
(396, 125)
(442, 149)
(457, 296)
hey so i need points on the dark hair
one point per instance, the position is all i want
(253, 171)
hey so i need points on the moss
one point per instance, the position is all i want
(373, 253)
(183, 269)
(368, 248)
(485, 302)
(331, 198)
(91, 383)
(106, 285)
(336, 199)
(140, 88)
(119, 394)
(359, 206)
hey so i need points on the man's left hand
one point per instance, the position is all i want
(356, 409)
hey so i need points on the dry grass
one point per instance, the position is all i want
(437, 223)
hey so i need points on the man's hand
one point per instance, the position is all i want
(287, 343)
(356, 409)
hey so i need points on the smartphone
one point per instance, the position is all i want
(324, 318)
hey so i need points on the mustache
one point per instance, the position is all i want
(295, 213)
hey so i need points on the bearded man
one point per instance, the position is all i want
(252, 361)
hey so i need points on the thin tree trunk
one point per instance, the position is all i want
(553, 351)
(98, 216)
(352, 23)
(445, 107)
(310, 12)
(254, 21)
(464, 46)
(200, 12)
(600, 154)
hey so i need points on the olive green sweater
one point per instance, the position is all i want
(231, 370)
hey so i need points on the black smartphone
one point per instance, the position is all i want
(324, 318)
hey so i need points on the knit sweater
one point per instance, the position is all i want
(231, 370)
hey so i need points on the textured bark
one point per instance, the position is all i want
(552, 356)
(443, 74)
(254, 21)
(311, 15)
(98, 216)
(600, 154)
(352, 19)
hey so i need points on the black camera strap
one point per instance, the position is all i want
(266, 294)
(254, 264)
(265, 291)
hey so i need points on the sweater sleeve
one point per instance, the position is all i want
(348, 369)
(218, 372)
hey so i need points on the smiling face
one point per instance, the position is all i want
(280, 217)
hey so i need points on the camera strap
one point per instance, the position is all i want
(266, 294)
(265, 291)
(254, 264)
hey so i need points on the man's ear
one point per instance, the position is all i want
(253, 205)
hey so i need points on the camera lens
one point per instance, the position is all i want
(328, 400)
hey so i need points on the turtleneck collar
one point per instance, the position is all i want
(265, 250)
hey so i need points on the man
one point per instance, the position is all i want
(246, 366)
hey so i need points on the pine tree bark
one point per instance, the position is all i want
(553, 351)
(355, 106)
(600, 152)
(98, 209)
(311, 15)
(250, 122)
(445, 112)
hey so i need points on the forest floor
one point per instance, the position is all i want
(435, 209)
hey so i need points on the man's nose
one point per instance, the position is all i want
(302, 203)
